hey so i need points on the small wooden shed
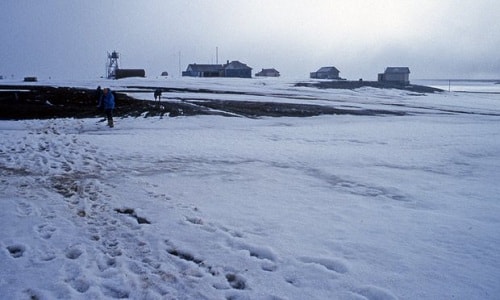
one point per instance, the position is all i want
(268, 73)
(399, 75)
(326, 73)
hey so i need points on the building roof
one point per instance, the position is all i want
(204, 67)
(272, 70)
(397, 70)
(267, 72)
(328, 70)
(236, 65)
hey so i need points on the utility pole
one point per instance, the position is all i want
(180, 64)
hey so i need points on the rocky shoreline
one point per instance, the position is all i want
(351, 85)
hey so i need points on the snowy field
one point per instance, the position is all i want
(210, 207)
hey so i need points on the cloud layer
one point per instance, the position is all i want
(70, 39)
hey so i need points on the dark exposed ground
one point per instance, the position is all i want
(344, 84)
(42, 102)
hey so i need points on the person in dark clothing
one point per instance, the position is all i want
(107, 102)
(98, 94)
(158, 94)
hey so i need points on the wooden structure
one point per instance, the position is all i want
(399, 75)
(230, 69)
(326, 73)
(268, 73)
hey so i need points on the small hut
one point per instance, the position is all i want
(326, 73)
(399, 75)
(268, 73)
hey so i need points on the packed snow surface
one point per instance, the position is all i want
(210, 207)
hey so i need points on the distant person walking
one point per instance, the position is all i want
(158, 94)
(107, 102)
(98, 94)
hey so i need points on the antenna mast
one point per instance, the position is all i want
(112, 64)
(180, 64)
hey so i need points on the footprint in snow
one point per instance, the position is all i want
(260, 252)
(332, 264)
(76, 278)
(24, 209)
(236, 281)
(45, 231)
(132, 213)
(45, 253)
(73, 252)
(16, 251)
(373, 292)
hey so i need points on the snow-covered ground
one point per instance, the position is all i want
(210, 207)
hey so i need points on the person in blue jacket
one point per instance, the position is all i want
(107, 102)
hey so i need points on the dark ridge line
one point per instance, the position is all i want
(351, 85)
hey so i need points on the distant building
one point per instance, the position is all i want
(30, 79)
(114, 72)
(197, 70)
(230, 69)
(399, 75)
(125, 73)
(326, 73)
(268, 73)
(237, 69)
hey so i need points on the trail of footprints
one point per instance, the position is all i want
(74, 173)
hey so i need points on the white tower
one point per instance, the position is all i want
(112, 64)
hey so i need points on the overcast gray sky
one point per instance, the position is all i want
(70, 38)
